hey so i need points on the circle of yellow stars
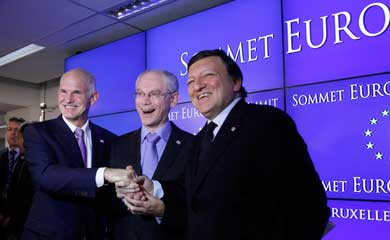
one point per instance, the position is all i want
(369, 133)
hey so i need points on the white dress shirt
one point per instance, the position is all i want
(88, 144)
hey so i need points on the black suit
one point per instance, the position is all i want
(126, 151)
(257, 182)
(66, 199)
(16, 203)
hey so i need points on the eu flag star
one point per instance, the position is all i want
(370, 145)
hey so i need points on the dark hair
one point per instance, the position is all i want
(16, 119)
(232, 68)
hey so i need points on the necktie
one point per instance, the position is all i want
(79, 133)
(205, 142)
(151, 156)
(11, 165)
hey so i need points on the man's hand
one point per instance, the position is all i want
(132, 190)
(150, 206)
(122, 176)
(145, 183)
(136, 189)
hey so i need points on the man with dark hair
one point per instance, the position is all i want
(249, 174)
(15, 183)
(156, 93)
(67, 158)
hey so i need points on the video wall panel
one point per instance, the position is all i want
(345, 125)
(115, 66)
(327, 40)
(119, 123)
(359, 220)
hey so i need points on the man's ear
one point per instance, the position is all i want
(237, 84)
(174, 99)
(94, 98)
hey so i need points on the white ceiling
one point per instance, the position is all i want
(65, 27)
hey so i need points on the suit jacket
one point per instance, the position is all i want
(16, 203)
(66, 201)
(126, 151)
(257, 182)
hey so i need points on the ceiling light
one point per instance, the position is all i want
(20, 53)
(135, 7)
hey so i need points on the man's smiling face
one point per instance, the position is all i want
(154, 106)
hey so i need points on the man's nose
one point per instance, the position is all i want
(199, 85)
(68, 97)
(15, 132)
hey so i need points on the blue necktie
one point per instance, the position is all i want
(151, 157)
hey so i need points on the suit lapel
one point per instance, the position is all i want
(67, 140)
(194, 163)
(172, 148)
(222, 141)
(97, 146)
(133, 151)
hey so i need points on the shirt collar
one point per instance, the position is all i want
(72, 127)
(14, 149)
(164, 131)
(221, 117)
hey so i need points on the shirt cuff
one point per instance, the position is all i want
(100, 177)
(157, 189)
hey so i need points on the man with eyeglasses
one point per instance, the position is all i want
(154, 150)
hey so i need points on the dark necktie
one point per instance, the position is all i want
(151, 156)
(205, 143)
(11, 166)
(79, 133)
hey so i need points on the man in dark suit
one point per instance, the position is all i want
(66, 158)
(15, 183)
(254, 179)
(156, 93)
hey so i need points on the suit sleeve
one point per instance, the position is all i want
(48, 174)
(305, 202)
(116, 208)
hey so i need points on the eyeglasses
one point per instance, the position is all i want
(153, 95)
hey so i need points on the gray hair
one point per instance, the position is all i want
(86, 76)
(170, 79)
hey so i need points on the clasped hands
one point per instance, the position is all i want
(136, 192)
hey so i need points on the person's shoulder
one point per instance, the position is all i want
(268, 115)
(265, 110)
(41, 126)
(128, 137)
(180, 132)
(102, 132)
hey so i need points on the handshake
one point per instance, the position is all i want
(136, 192)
